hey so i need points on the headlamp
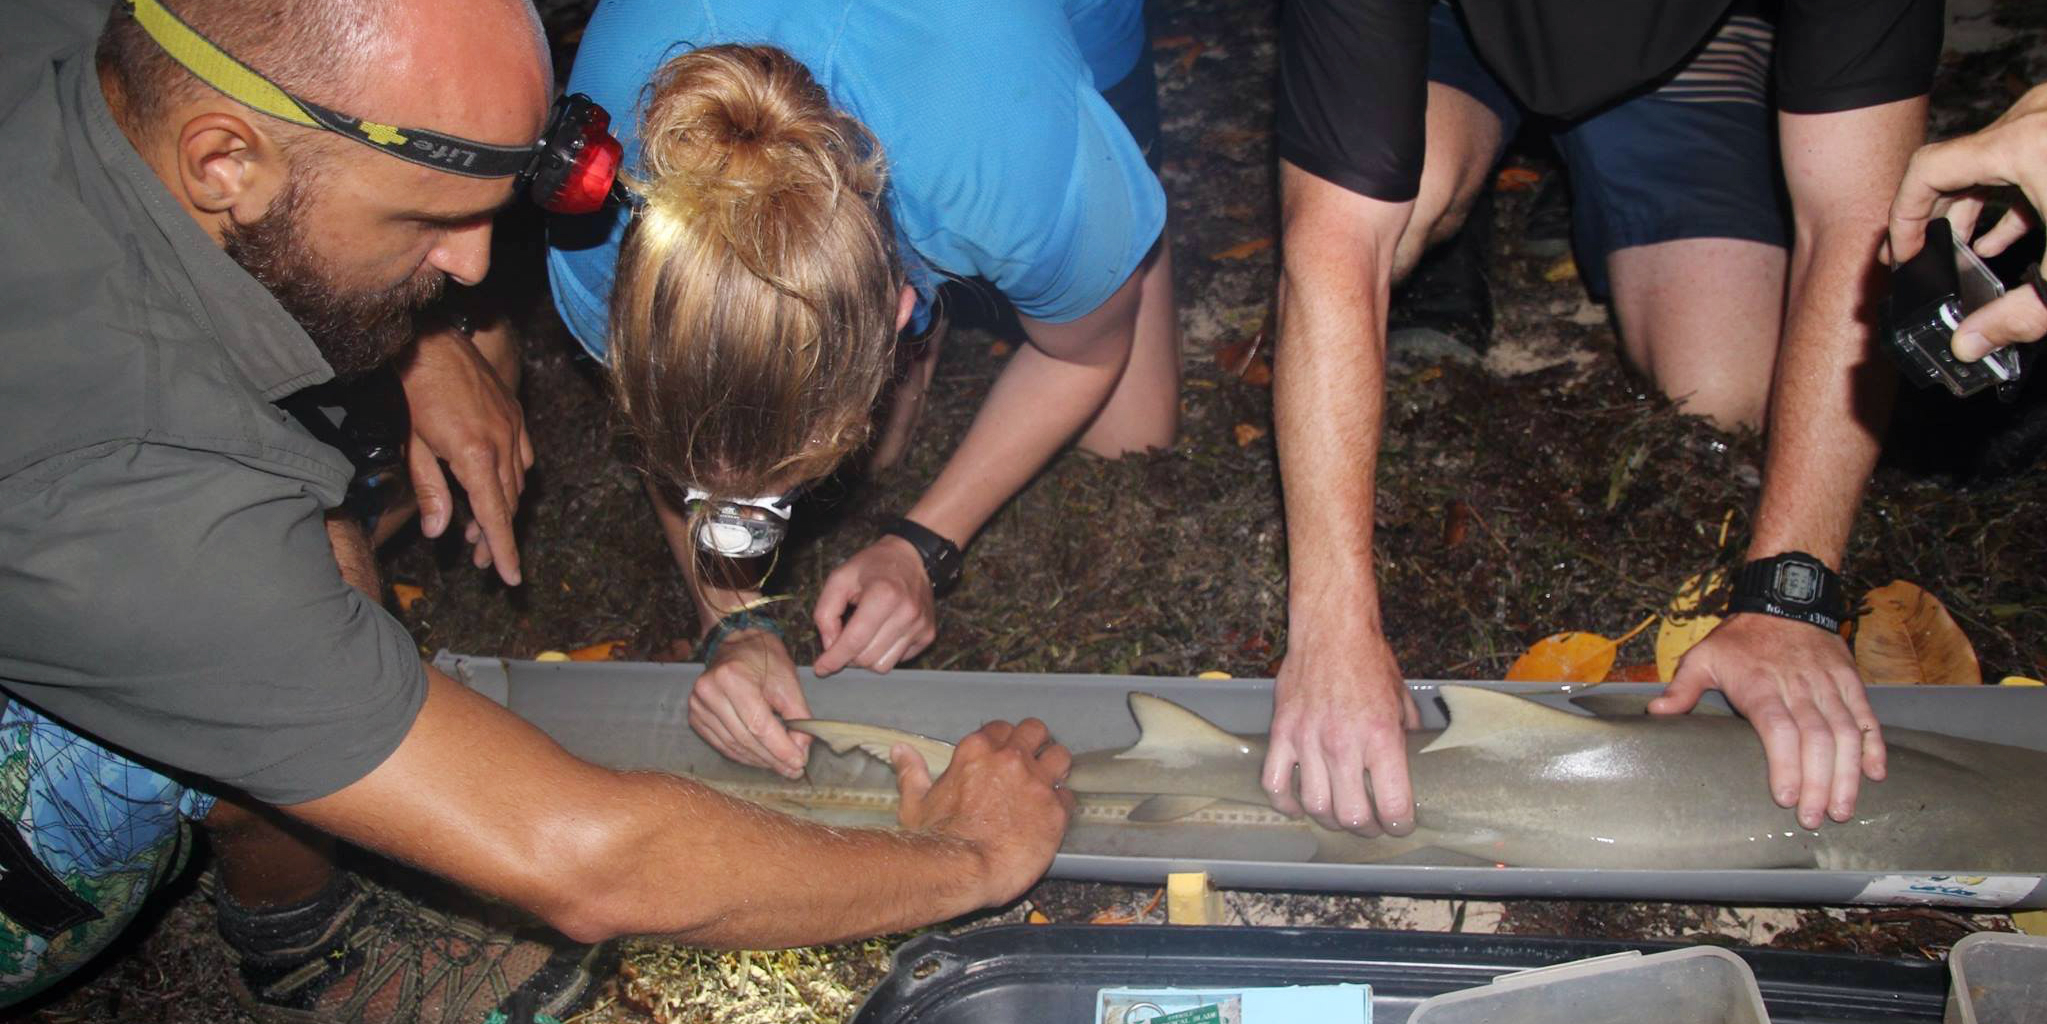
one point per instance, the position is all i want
(571, 169)
(743, 527)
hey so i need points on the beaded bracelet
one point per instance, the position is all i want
(743, 619)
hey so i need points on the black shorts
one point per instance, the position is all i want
(1353, 73)
(1135, 99)
(1695, 158)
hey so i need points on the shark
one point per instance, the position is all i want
(1521, 783)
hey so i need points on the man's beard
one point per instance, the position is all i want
(357, 331)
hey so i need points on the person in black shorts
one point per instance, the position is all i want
(1357, 116)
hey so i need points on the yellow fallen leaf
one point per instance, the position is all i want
(1570, 657)
(407, 595)
(1907, 636)
(1038, 917)
(1246, 433)
(1243, 250)
(2019, 681)
(1682, 627)
(1213, 674)
(550, 656)
(605, 651)
(1565, 269)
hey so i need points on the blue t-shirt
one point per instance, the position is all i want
(1004, 160)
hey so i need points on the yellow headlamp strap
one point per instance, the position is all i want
(245, 85)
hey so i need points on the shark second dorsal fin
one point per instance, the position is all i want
(1176, 737)
(875, 741)
(1502, 721)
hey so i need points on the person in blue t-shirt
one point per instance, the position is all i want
(805, 174)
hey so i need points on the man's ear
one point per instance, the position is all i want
(905, 306)
(226, 166)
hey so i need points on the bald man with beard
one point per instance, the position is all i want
(189, 633)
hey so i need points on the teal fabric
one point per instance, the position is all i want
(1005, 161)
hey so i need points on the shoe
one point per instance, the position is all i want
(1444, 310)
(1546, 231)
(364, 954)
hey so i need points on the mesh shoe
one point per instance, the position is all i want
(364, 954)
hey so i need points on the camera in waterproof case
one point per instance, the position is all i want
(1930, 295)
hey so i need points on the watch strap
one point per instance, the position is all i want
(1793, 585)
(943, 561)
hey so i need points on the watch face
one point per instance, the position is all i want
(1798, 583)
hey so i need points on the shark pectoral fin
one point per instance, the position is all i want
(1172, 735)
(1345, 848)
(1166, 807)
(875, 741)
(1502, 721)
(1621, 705)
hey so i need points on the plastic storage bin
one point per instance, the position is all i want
(1998, 978)
(1050, 974)
(1700, 985)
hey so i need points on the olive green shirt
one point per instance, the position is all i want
(166, 582)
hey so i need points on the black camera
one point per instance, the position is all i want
(1930, 295)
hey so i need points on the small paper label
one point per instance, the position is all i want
(1949, 890)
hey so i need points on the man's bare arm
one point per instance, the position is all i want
(484, 799)
(1828, 408)
(1341, 703)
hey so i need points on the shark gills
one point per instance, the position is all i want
(1514, 781)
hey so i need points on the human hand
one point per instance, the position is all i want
(739, 703)
(894, 616)
(463, 413)
(1003, 795)
(1941, 178)
(1341, 710)
(1798, 687)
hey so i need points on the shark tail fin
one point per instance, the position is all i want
(1170, 734)
(875, 741)
(1503, 721)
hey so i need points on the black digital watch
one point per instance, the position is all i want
(1793, 585)
(942, 559)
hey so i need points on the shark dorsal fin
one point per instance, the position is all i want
(875, 741)
(1174, 736)
(1502, 721)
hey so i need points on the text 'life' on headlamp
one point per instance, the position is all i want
(740, 528)
(571, 169)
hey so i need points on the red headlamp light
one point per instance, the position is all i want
(575, 163)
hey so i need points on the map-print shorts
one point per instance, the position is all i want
(88, 835)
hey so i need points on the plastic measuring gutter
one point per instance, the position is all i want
(635, 716)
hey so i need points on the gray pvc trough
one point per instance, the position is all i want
(635, 716)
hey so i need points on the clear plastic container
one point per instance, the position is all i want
(1998, 978)
(1700, 985)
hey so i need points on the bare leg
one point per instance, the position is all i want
(1463, 142)
(1144, 410)
(1702, 317)
(267, 860)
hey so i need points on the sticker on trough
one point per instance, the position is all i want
(1948, 890)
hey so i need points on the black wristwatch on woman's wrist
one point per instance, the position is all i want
(942, 559)
(1793, 585)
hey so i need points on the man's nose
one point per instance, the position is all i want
(463, 253)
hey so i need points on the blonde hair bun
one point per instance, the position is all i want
(744, 136)
(753, 315)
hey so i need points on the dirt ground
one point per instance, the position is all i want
(1537, 491)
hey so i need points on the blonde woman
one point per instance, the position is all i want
(806, 173)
